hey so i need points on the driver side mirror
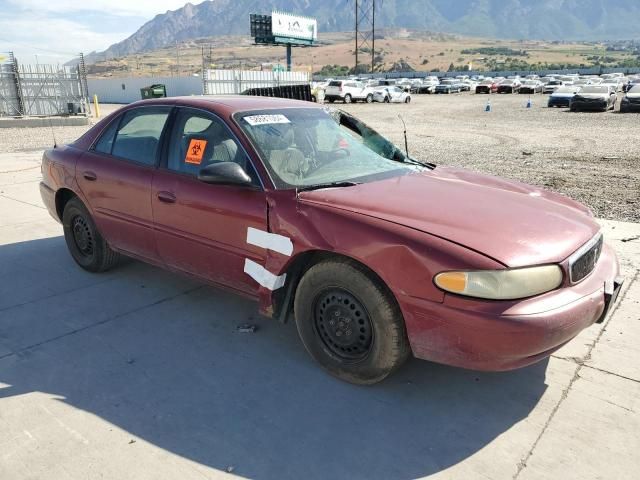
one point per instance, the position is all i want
(224, 173)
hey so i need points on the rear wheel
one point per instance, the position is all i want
(87, 247)
(349, 323)
(387, 99)
(347, 98)
(369, 98)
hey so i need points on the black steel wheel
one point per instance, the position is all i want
(349, 322)
(85, 243)
(343, 324)
(82, 235)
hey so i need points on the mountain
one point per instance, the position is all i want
(516, 19)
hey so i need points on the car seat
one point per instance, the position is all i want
(277, 142)
(220, 147)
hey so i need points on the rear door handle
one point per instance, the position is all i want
(92, 177)
(166, 197)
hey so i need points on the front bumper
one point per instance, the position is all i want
(629, 107)
(496, 335)
(559, 102)
(582, 106)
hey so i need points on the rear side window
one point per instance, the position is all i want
(138, 137)
(335, 84)
(105, 143)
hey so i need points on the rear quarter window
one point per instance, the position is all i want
(105, 142)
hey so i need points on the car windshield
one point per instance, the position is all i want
(635, 89)
(302, 147)
(595, 89)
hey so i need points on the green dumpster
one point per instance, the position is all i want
(153, 91)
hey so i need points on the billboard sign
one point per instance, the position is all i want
(293, 26)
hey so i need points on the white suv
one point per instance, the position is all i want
(348, 91)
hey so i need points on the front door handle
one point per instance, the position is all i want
(92, 177)
(166, 197)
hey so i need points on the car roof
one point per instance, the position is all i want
(228, 104)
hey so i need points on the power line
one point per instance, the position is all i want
(24, 45)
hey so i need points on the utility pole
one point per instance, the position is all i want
(365, 29)
(177, 60)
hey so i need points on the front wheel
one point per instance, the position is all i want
(369, 98)
(349, 323)
(85, 243)
(407, 100)
(387, 99)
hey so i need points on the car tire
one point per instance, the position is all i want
(313, 98)
(407, 100)
(387, 100)
(369, 98)
(347, 98)
(86, 245)
(338, 300)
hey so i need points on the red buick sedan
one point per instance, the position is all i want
(315, 215)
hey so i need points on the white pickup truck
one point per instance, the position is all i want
(348, 91)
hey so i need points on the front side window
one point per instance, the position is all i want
(138, 136)
(308, 146)
(200, 139)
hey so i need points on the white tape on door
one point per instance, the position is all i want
(270, 241)
(263, 276)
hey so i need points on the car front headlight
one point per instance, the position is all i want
(507, 284)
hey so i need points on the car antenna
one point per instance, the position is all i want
(406, 143)
(53, 133)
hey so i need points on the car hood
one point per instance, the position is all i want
(563, 95)
(513, 223)
(633, 95)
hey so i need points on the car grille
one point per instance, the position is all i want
(584, 261)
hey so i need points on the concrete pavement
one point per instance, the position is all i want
(139, 373)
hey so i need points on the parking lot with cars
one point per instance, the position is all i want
(150, 368)
(586, 92)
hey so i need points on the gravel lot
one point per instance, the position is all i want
(592, 157)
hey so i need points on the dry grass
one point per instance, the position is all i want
(438, 50)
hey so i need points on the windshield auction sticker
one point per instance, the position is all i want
(266, 119)
(195, 152)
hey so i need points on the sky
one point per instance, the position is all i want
(57, 30)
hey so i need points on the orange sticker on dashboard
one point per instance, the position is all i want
(195, 152)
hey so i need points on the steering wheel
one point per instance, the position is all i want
(343, 150)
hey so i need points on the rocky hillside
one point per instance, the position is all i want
(534, 19)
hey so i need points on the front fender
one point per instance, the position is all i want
(404, 258)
